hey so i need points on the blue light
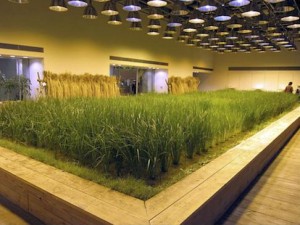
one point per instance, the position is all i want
(222, 18)
(239, 3)
(207, 8)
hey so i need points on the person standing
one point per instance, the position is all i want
(289, 88)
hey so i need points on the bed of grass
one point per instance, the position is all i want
(128, 143)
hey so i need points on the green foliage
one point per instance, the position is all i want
(142, 135)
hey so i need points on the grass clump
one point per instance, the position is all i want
(140, 136)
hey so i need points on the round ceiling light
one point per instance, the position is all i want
(77, 3)
(239, 3)
(58, 6)
(157, 3)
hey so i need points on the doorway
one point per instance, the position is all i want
(135, 80)
(19, 77)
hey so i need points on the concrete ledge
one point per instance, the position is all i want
(57, 197)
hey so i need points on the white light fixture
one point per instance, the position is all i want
(136, 26)
(168, 36)
(154, 14)
(154, 24)
(90, 12)
(58, 6)
(114, 20)
(157, 3)
(153, 32)
(196, 17)
(294, 26)
(109, 9)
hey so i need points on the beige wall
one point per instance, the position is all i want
(73, 44)
(274, 80)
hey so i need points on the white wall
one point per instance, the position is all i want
(272, 80)
(73, 44)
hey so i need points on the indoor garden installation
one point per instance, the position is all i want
(145, 139)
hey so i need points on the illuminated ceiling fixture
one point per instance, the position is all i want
(101, 0)
(90, 12)
(168, 36)
(114, 20)
(132, 5)
(19, 1)
(207, 6)
(274, 1)
(290, 16)
(170, 30)
(196, 17)
(190, 43)
(252, 11)
(153, 32)
(294, 26)
(222, 14)
(77, 3)
(285, 6)
(179, 9)
(239, 3)
(174, 22)
(263, 19)
(154, 24)
(133, 16)
(245, 29)
(183, 34)
(235, 23)
(232, 35)
(189, 28)
(109, 9)
(180, 39)
(211, 25)
(157, 3)
(222, 31)
(154, 14)
(136, 26)
(58, 6)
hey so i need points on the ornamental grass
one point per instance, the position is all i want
(138, 135)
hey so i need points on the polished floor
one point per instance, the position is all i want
(11, 214)
(274, 198)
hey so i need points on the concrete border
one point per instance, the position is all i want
(57, 197)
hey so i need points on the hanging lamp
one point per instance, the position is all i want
(155, 14)
(77, 3)
(133, 16)
(239, 3)
(90, 12)
(109, 9)
(157, 3)
(114, 20)
(58, 6)
(132, 5)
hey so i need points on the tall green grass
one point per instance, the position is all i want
(142, 135)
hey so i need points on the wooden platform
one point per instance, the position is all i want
(57, 197)
(274, 198)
